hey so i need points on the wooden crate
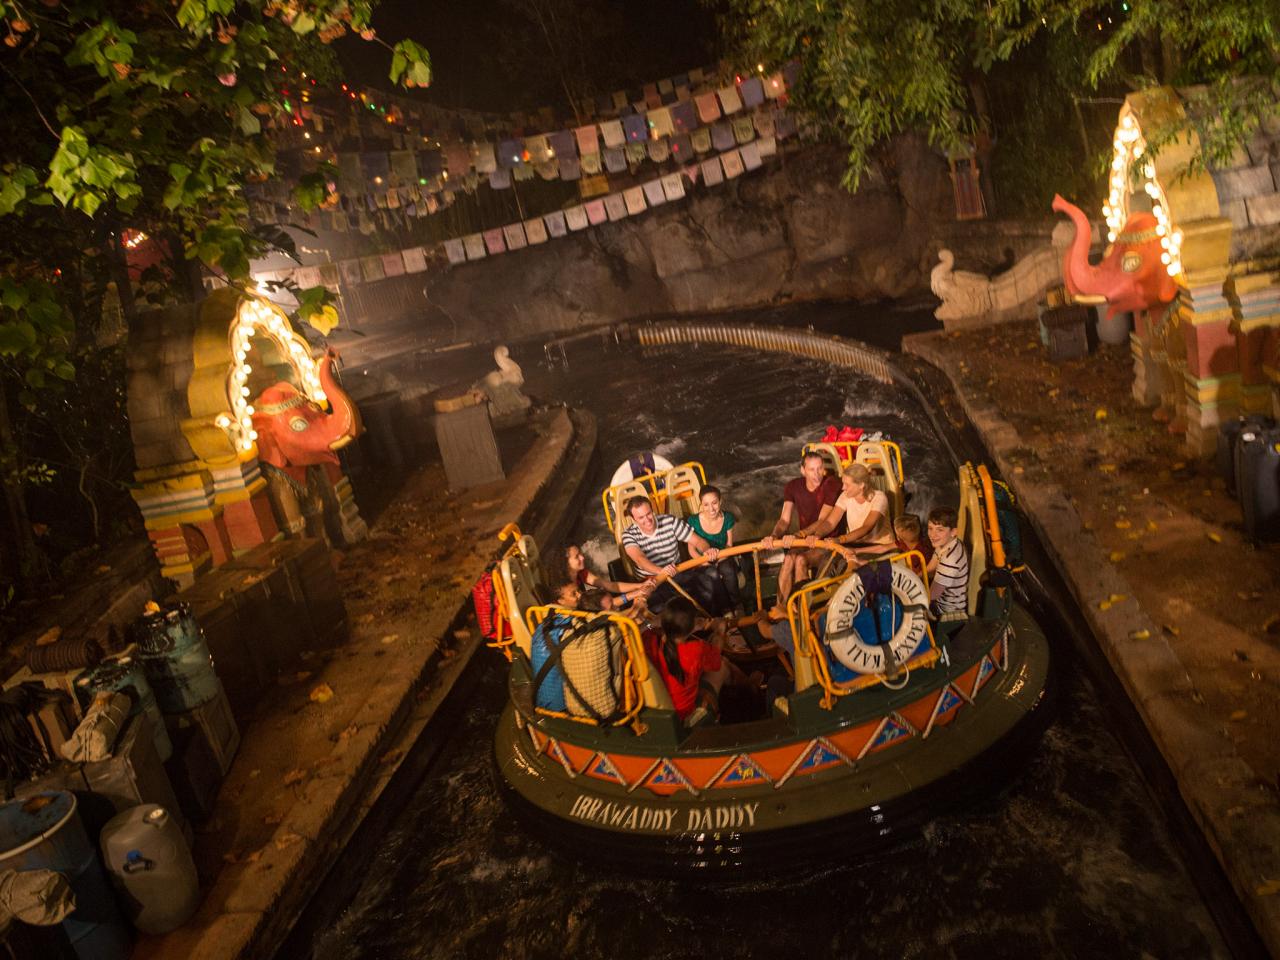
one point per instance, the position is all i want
(215, 723)
(1065, 330)
(195, 772)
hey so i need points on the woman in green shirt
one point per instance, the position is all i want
(715, 525)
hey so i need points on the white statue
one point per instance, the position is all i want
(963, 294)
(507, 402)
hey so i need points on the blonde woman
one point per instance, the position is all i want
(865, 511)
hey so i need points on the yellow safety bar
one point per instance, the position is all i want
(655, 487)
(801, 610)
(510, 532)
(634, 672)
(895, 452)
(990, 518)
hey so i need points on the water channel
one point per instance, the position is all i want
(1072, 858)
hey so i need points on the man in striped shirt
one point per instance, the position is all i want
(653, 544)
(949, 568)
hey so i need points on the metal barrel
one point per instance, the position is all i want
(173, 652)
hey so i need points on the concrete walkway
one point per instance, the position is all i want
(316, 757)
(1187, 707)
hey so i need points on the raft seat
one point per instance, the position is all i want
(971, 533)
(684, 488)
(524, 587)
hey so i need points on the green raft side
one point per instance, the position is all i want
(843, 788)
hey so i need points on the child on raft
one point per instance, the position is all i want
(690, 664)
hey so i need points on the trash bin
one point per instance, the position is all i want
(1258, 478)
(1228, 437)
(44, 832)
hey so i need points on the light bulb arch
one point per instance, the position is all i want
(258, 317)
(1128, 147)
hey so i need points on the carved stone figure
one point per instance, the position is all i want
(963, 294)
(507, 402)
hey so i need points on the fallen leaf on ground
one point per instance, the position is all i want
(1140, 635)
(1171, 630)
(254, 773)
(287, 840)
(1239, 714)
(321, 693)
(1111, 601)
(294, 776)
(365, 618)
(1117, 556)
(391, 756)
(49, 636)
(390, 638)
(103, 568)
(349, 732)
(1151, 525)
(1100, 414)
(1215, 537)
(1107, 468)
(1123, 524)
(1267, 888)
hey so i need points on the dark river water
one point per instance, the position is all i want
(1070, 859)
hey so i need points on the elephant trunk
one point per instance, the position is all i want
(343, 425)
(1079, 275)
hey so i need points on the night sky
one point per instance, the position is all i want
(487, 57)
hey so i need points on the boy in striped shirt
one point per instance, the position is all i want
(949, 568)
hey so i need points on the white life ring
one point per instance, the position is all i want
(855, 653)
(624, 473)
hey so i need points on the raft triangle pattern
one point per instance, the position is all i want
(948, 700)
(554, 750)
(892, 729)
(602, 768)
(667, 779)
(821, 754)
(742, 771)
(985, 670)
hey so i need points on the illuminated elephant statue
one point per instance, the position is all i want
(294, 433)
(297, 444)
(1131, 276)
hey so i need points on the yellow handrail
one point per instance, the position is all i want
(991, 518)
(510, 532)
(635, 671)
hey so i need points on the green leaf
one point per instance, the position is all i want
(248, 123)
(34, 378)
(16, 338)
(192, 14)
(303, 24)
(64, 370)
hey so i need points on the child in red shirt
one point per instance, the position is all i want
(689, 664)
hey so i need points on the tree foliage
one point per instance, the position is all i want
(148, 116)
(872, 68)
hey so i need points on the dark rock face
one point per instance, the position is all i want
(790, 232)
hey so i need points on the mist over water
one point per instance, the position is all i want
(1070, 860)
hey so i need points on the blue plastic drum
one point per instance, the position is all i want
(43, 832)
(173, 653)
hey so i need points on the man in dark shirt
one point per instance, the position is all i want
(808, 498)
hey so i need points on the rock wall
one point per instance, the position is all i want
(788, 232)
